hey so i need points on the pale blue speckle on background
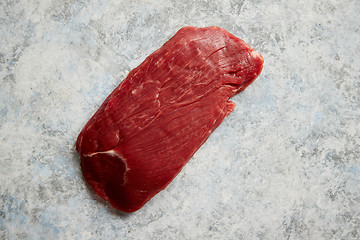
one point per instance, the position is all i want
(283, 165)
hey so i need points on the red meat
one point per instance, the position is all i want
(157, 118)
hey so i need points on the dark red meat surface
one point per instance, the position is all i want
(157, 118)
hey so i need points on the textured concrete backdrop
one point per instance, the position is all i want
(284, 165)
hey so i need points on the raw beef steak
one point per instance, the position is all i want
(154, 121)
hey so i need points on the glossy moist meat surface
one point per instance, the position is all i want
(154, 121)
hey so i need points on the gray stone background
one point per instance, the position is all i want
(284, 165)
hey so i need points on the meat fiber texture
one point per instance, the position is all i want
(149, 127)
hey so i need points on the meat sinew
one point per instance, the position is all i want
(157, 118)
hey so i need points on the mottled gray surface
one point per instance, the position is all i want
(284, 165)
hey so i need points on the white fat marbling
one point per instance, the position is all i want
(284, 165)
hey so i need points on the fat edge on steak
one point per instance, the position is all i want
(157, 118)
